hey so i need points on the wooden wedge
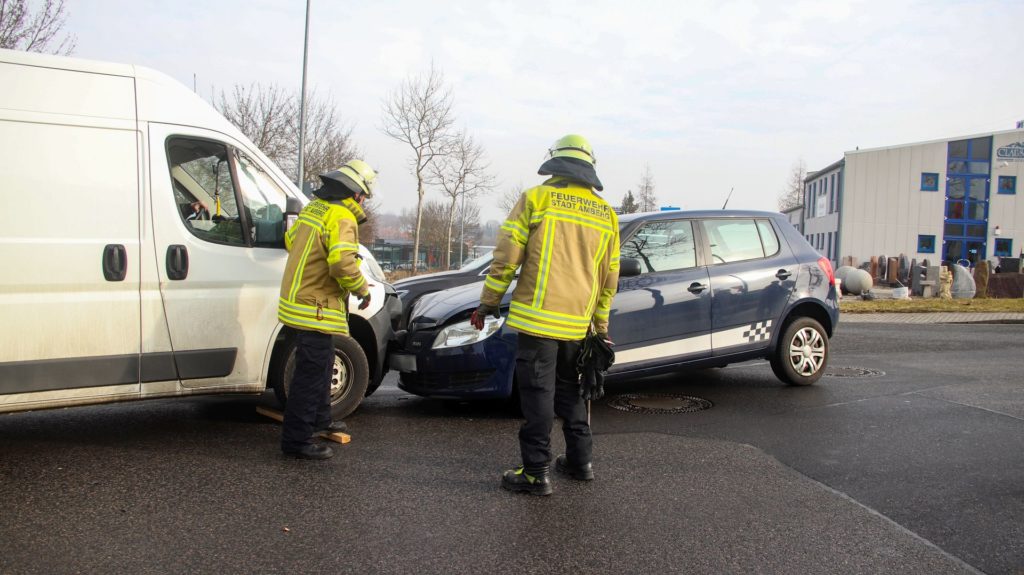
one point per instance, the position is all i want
(277, 416)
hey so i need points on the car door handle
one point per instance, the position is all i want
(115, 263)
(783, 274)
(696, 287)
(177, 262)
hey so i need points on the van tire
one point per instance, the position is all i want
(351, 376)
(802, 352)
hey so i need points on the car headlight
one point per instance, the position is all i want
(463, 333)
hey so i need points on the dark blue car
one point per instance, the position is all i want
(696, 289)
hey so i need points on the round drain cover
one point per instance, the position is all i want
(840, 371)
(658, 403)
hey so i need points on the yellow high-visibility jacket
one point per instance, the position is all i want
(566, 238)
(322, 267)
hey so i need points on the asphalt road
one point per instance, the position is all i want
(918, 468)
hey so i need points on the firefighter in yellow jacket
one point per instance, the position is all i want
(566, 238)
(322, 270)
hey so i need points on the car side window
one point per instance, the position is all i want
(733, 240)
(204, 190)
(769, 240)
(662, 245)
(264, 203)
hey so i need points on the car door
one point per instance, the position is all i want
(69, 239)
(663, 315)
(218, 227)
(752, 276)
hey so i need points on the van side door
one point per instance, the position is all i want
(753, 275)
(218, 221)
(662, 316)
(69, 238)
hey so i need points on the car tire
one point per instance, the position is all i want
(348, 385)
(802, 352)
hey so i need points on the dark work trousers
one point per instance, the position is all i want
(549, 386)
(309, 397)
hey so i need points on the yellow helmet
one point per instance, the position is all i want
(356, 175)
(572, 146)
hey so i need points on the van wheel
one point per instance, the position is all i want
(802, 353)
(351, 375)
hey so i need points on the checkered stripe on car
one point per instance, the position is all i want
(759, 331)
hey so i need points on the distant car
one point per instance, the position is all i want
(696, 289)
(412, 289)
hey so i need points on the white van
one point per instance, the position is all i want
(141, 242)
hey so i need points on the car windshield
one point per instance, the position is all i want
(477, 262)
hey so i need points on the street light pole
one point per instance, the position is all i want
(302, 104)
(462, 229)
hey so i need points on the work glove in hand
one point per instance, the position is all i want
(477, 319)
(594, 359)
(364, 300)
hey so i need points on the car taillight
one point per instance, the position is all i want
(826, 266)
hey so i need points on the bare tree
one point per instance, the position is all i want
(419, 114)
(461, 174)
(21, 29)
(645, 198)
(792, 195)
(264, 114)
(269, 116)
(509, 197)
(432, 218)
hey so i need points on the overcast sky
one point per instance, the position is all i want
(711, 95)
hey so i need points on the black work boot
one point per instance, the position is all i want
(520, 481)
(310, 451)
(335, 427)
(577, 472)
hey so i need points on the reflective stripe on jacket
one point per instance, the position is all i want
(322, 267)
(566, 238)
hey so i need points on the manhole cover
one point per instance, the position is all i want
(839, 371)
(658, 403)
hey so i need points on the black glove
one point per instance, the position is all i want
(594, 359)
(592, 385)
(484, 310)
(364, 300)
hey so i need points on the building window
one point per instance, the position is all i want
(1007, 184)
(929, 182)
(1004, 247)
(926, 244)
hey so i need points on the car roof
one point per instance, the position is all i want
(675, 214)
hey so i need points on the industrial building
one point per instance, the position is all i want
(951, 200)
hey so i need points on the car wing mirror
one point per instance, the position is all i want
(292, 207)
(629, 267)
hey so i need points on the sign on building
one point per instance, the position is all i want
(1011, 153)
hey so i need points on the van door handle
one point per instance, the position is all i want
(177, 262)
(115, 263)
(696, 287)
(783, 274)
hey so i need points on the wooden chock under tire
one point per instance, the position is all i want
(337, 437)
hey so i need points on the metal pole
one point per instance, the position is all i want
(462, 229)
(302, 104)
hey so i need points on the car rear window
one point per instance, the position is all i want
(733, 240)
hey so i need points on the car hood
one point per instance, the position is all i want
(426, 278)
(437, 308)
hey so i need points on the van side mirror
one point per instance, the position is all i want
(292, 207)
(629, 267)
